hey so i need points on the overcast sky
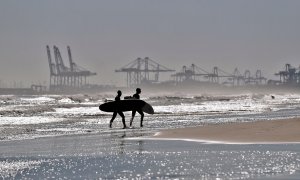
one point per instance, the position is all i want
(105, 35)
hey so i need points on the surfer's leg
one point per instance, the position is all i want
(123, 119)
(112, 119)
(132, 116)
(142, 116)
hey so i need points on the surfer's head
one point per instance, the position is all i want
(119, 92)
(138, 90)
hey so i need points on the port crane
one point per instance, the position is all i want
(143, 71)
(191, 73)
(290, 75)
(64, 77)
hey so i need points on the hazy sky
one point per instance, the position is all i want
(105, 35)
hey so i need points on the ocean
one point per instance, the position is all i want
(67, 137)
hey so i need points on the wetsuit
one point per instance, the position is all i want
(137, 96)
(117, 98)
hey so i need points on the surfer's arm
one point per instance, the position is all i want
(128, 97)
(108, 100)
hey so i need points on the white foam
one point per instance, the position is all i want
(77, 110)
(28, 120)
(66, 100)
(38, 99)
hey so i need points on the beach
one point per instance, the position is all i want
(66, 136)
(267, 131)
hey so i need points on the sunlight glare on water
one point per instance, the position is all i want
(77, 142)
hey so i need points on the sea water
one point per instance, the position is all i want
(61, 136)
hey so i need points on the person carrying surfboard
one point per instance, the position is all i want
(137, 96)
(118, 98)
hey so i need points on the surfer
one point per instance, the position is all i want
(118, 98)
(137, 96)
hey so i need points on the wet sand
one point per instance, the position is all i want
(271, 131)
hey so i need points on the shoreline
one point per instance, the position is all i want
(258, 132)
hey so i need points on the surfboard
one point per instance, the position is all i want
(127, 105)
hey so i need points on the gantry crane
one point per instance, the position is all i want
(142, 71)
(191, 73)
(61, 76)
(290, 75)
(236, 78)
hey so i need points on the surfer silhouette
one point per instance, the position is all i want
(118, 98)
(137, 96)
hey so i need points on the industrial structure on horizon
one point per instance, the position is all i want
(147, 71)
(63, 77)
(217, 75)
(290, 75)
(141, 71)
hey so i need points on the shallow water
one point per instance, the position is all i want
(114, 157)
(58, 136)
(26, 117)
